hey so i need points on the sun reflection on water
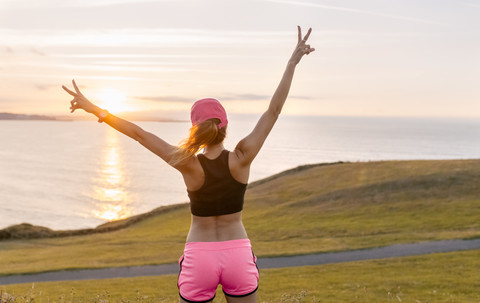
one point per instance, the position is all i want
(112, 200)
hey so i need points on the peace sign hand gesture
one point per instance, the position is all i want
(79, 100)
(302, 48)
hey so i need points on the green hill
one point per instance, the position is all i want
(315, 208)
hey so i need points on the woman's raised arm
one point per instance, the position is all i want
(249, 147)
(148, 140)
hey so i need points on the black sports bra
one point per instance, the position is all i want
(220, 194)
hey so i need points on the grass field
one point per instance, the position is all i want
(447, 277)
(325, 208)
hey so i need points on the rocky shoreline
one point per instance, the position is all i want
(29, 231)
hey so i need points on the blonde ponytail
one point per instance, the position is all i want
(202, 134)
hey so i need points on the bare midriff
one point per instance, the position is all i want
(217, 228)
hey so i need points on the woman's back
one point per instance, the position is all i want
(224, 227)
(194, 175)
(217, 228)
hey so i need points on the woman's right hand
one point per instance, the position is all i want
(302, 48)
(79, 101)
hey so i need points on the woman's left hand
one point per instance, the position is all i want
(79, 101)
(302, 48)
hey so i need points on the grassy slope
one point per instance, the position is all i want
(356, 205)
(324, 208)
(447, 277)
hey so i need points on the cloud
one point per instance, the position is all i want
(167, 99)
(96, 3)
(44, 87)
(37, 52)
(244, 97)
(255, 97)
(141, 37)
(353, 10)
(221, 97)
(15, 4)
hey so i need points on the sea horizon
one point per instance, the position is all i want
(183, 116)
(83, 174)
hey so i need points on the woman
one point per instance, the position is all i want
(218, 250)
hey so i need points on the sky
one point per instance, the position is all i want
(373, 57)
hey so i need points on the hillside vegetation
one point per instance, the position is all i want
(317, 208)
(439, 278)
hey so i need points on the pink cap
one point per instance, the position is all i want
(208, 108)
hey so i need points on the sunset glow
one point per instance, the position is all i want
(111, 212)
(111, 198)
(372, 58)
(113, 100)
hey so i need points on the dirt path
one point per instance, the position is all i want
(399, 250)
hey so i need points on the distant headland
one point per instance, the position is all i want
(10, 116)
(128, 116)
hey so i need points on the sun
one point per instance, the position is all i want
(112, 100)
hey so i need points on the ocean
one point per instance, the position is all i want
(79, 174)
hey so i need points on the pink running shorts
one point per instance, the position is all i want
(204, 265)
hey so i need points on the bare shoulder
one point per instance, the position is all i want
(192, 173)
(239, 170)
(239, 155)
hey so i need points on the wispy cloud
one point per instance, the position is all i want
(15, 4)
(254, 97)
(43, 87)
(166, 99)
(244, 97)
(37, 52)
(222, 97)
(140, 56)
(353, 10)
(93, 3)
(142, 37)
